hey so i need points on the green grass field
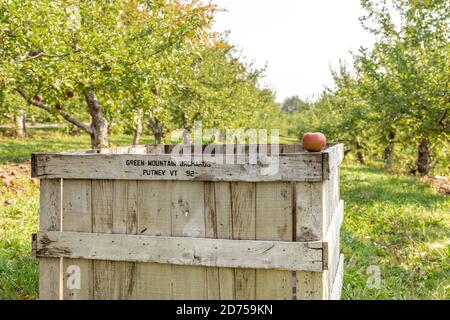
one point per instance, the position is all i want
(395, 223)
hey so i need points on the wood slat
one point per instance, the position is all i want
(102, 222)
(336, 290)
(274, 222)
(211, 231)
(50, 220)
(188, 220)
(154, 281)
(243, 210)
(125, 210)
(310, 205)
(224, 217)
(298, 167)
(77, 216)
(331, 258)
(253, 254)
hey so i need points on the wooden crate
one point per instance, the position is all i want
(111, 228)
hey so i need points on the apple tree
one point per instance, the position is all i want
(82, 60)
(406, 75)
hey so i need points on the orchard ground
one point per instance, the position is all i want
(395, 224)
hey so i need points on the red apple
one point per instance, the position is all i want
(38, 97)
(58, 107)
(314, 142)
(70, 94)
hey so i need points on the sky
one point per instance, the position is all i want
(299, 40)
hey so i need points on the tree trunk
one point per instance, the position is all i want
(360, 152)
(138, 128)
(157, 130)
(186, 126)
(424, 157)
(20, 125)
(388, 154)
(33, 120)
(99, 125)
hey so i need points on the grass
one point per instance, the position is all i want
(16, 150)
(396, 224)
(399, 225)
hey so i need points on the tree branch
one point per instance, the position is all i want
(65, 115)
(43, 54)
(442, 118)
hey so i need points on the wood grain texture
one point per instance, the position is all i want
(50, 220)
(211, 231)
(125, 210)
(188, 220)
(77, 216)
(224, 219)
(297, 167)
(337, 285)
(182, 251)
(274, 222)
(243, 205)
(154, 281)
(332, 237)
(332, 158)
(102, 222)
(311, 206)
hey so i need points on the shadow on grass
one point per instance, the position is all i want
(365, 186)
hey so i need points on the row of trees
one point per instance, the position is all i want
(114, 65)
(396, 103)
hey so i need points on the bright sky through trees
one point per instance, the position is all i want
(299, 39)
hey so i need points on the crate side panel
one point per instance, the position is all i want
(274, 222)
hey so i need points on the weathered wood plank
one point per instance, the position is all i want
(154, 281)
(188, 220)
(338, 281)
(332, 158)
(243, 205)
(77, 216)
(311, 206)
(224, 231)
(274, 222)
(125, 206)
(296, 167)
(212, 273)
(50, 220)
(102, 222)
(332, 237)
(252, 254)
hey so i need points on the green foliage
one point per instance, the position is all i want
(294, 104)
(154, 56)
(399, 93)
